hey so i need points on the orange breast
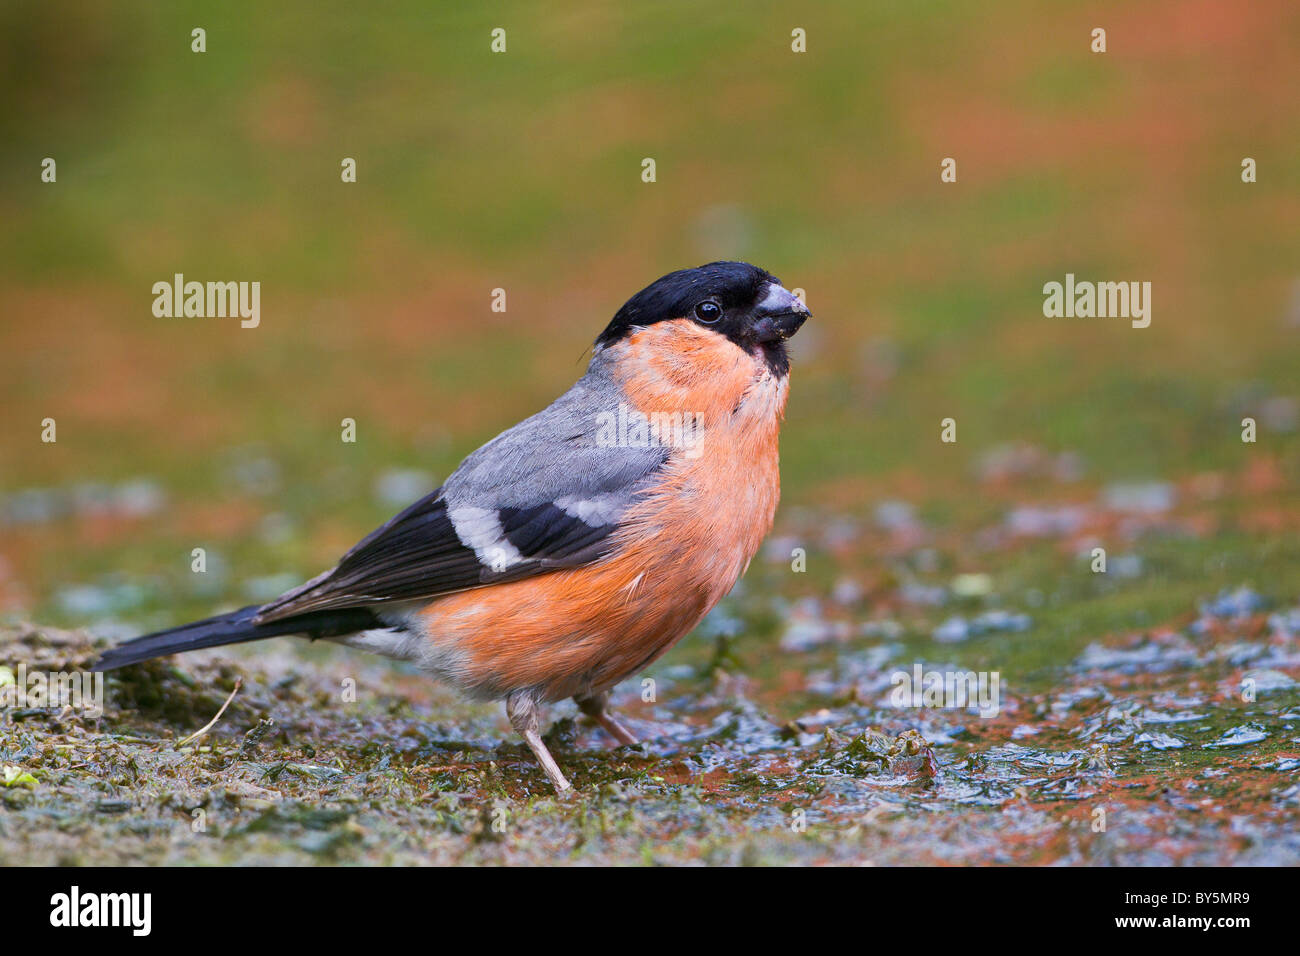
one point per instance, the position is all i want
(680, 548)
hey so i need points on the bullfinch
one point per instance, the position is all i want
(575, 548)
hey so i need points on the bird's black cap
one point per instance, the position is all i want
(734, 285)
(742, 302)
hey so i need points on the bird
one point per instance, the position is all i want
(575, 548)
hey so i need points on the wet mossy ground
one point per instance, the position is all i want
(772, 738)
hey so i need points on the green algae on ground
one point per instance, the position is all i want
(907, 754)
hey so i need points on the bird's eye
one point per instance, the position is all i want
(708, 311)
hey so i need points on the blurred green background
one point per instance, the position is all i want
(522, 171)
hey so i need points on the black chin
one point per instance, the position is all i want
(775, 357)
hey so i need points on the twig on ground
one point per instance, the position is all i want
(239, 681)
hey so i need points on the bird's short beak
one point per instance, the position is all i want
(779, 315)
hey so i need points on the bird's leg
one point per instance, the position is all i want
(522, 711)
(597, 708)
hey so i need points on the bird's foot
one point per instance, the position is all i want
(597, 708)
(522, 711)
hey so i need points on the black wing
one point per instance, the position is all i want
(418, 554)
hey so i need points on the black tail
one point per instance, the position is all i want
(236, 628)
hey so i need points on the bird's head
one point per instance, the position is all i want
(743, 303)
